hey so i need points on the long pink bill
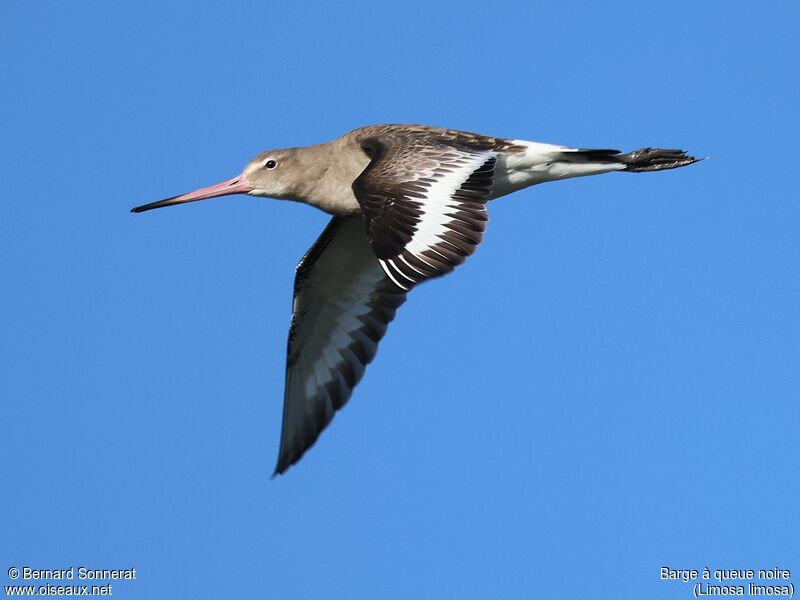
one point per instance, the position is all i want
(225, 188)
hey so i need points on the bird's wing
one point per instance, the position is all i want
(343, 303)
(423, 202)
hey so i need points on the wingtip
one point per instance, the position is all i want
(281, 467)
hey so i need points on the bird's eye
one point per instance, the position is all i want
(271, 164)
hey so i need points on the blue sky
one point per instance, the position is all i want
(609, 386)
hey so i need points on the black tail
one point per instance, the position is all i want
(655, 159)
(646, 159)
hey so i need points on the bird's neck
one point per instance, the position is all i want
(328, 171)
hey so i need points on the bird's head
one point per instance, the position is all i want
(265, 175)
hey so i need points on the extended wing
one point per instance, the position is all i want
(343, 303)
(424, 204)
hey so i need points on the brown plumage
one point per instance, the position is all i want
(409, 204)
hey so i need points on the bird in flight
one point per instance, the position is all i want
(408, 203)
